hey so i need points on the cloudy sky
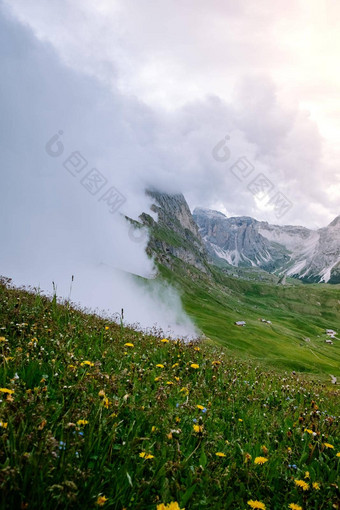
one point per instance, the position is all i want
(144, 92)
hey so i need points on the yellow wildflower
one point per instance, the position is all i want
(171, 506)
(165, 341)
(128, 344)
(302, 484)
(169, 383)
(3, 424)
(216, 363)
(184, 390)
(88, 363)
(247, 457)
(194, 365)
(101, 500)
(3, 339)
(260, 460)
(177, 379)
(200, 407)
(156, 379)
(198, 428)
(145, 455)
(175, 365)
(338, 454)
(106, 402)
(309, 431)
(6, 390)
(220, 454)
(159, 365)
(294, 506)
(197, 348)
(327, 445)
(264, 449)
(316, 486)
(106, 328)
(240, 419)
(307, 475)
(153, 428)
(256, 504)
(82, 422)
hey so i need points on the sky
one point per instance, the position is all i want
(234, 104)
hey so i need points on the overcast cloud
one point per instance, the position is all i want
(144, 91)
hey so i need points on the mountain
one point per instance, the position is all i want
(311, 255)
(285, 324)
(174, 233)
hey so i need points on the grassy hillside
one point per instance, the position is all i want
(297, 311)
(93, 414)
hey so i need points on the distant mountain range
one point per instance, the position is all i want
(310, 255)
(208, 237)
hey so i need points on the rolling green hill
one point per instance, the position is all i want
(217, 295)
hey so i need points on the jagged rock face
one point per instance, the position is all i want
(175, 232)
(296, 251)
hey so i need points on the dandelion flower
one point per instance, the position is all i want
(198, 428)
(88, 363)
(175, 365)
(82, 422)
(165, 341)
(309, 431)
(256, 504)
(327, 445)
(220, 454)
(145, 455)
(106, 328)
(6, 390)
(169, 383)
(171, 506)
(194, 365)
(200, 407)
(184, 390)
(240, 420)
(307, 475)
(216, 363)
(159, 365)
(3, 424)
(316, 486)
(302, 484)
(3, 339)
(294, 506)
(260, 460)
(197, 348)
(101, 500)
(338, 454)
(128, 344)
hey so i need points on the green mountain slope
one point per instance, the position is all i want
(219, 296)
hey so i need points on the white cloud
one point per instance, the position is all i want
(145, 91)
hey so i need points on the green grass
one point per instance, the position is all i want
(71, 431)
(297, 311)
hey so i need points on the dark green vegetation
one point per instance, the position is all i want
(90, 409)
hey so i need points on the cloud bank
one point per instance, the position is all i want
(142, 95)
